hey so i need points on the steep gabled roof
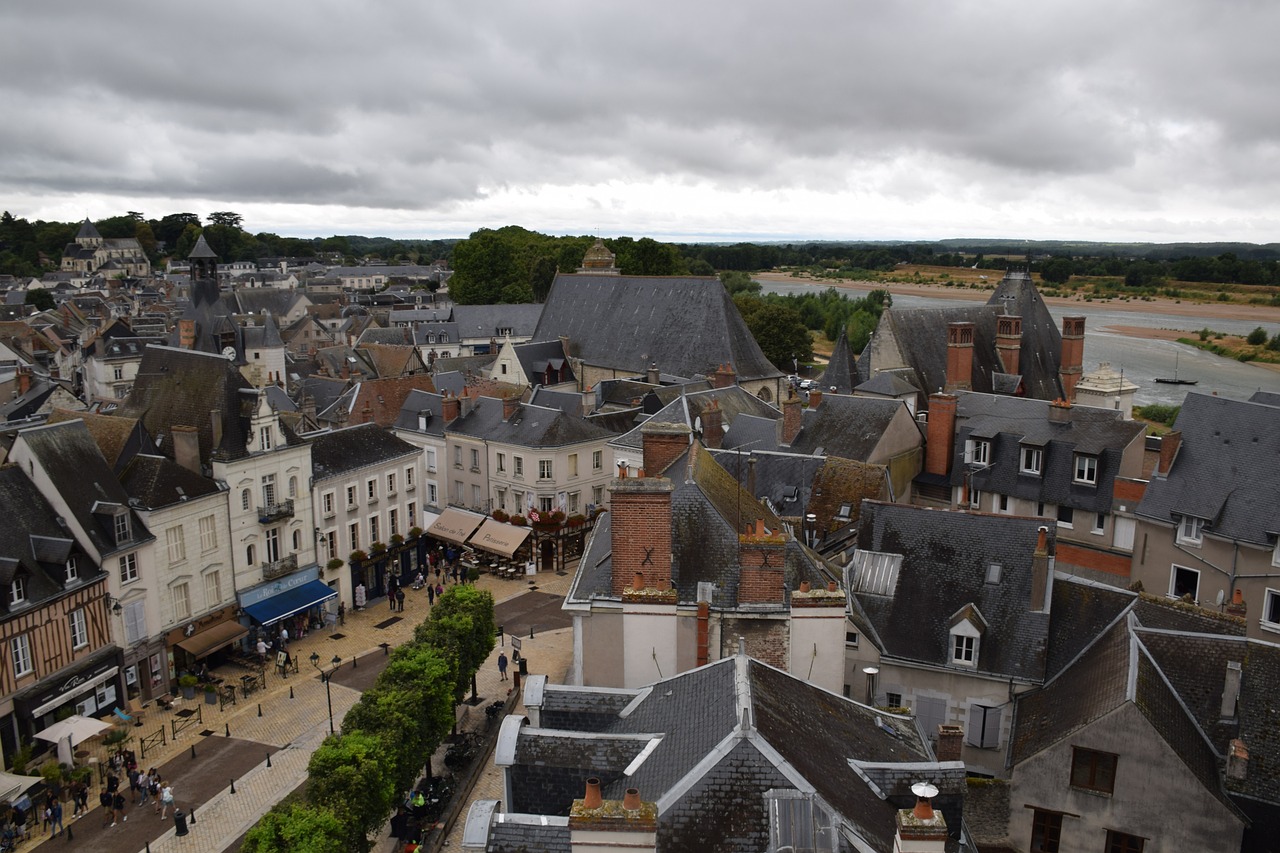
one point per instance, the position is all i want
(1227, 470)
(945, 560)
(32, 542)
(686, 325)
(119, 438)
(155, 482)
(841, 375)
(849, 427)
(338, 451)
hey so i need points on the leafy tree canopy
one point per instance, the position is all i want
(348, 775)
(296, 828)
(40, 298)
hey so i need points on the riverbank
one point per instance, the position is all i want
(1201, 313)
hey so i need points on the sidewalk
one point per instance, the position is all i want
(294, 717)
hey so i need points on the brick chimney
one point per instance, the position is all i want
(815, 398)
(959, 356)
(1009, 342)
(791, 418)
(1059, 412)
(762, 561)
(1237, 763)
(597, 824)
(950, 743)
(1169, 445)
(640, 528)
(724, 377)
(1237, 607)
(510, 405)
(1040, 582)
(450, 408)
(1072, 361)
(24, 380)
(186, 447)
(187, 334)
(713, 424)
(663, 443)
(704, 633)
(941, 434)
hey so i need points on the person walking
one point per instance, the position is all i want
(439, 590)
(431, 595)
(105, 800)
(166, 799)
(502, 665)
(400, 599)
(117, 808)
(55, 819)
(144, 786)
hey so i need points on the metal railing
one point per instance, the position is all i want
(275, 511)
(280, 567)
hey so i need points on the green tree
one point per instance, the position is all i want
(1056, 271)
(296, 828)
(462, 628)
(1257, 337)
(484, 267)
(227, 218)
(778, 329)
(736, 281)
(40, 298)
(541, 275)
(350, 776)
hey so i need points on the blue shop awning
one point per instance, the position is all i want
(290, 602)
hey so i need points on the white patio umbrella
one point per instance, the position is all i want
(70, 732)
(12, 786)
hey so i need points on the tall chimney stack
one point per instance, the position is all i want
(1009, 342)
(959, 356)
(1072, 362)
(941, 434)
(713, 424)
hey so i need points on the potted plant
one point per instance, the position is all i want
(499, 515)
(188, 684)
(518, 520)
(358, 557)
(211, 694)
(377, 548)
(415, 532)
(335, 563)
(117, 737)
(397, 540)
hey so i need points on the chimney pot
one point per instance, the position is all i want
(591, 799)
(804, 586)
(631, 800)
(638, 583)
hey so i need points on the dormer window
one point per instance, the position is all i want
(967, 627)
(1086, 469)
(264, 438)
(122, 528)
(1032, 460)
(1191, 531)
(17, 592)
(978, 452)
(72, 569)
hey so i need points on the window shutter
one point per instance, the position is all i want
(135, 622)
(983, 727)
(973, 726)
(991, 728)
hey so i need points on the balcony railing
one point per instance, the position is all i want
(271, 571)
(275, 512)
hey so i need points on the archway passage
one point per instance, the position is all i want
(547, 563)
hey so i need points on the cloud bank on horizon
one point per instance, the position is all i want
(1124, 121)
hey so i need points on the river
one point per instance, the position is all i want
(1140, 359)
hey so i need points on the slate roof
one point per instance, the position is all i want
(1117, 668)
(849, 427)
(155, 482)
(1040, 356)
(945, 556)
(1227, 471)
(33, 545)
(530, 426)
(417, 404)
(841, 375)
(687, 408)
(687, 326)
(1267, 398)
(1082, 610)
(782, 480)
(380, 400)
(80, 475)
(887, 383)
(1010, 422)
(485, 321)
(119, 438)
(726, 733)
(542, 359)
(340, 451)
(565, 401)
(184, 387)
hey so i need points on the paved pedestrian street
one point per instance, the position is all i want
(227, 782)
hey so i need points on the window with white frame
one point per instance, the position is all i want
(17, 591)
(326, 503)
(393, 521)
(517, 463)
(575, 499)
(129, 568)
(122, 528)
(297, 541)
(353, 533)
(1184, 581)
(1032, 460)
(475, 495)
(212, 588)
(293, 487)
(272, 539)
(268, 490)
(391, 483)
(135, 622)
(457, 457)
(975, 499)
(72, 569)
(1066, 516)
(964, 643)
(431, 460)
(597, 495)
(351, 497)
(573, 464)
(411, 514)
(181, 593)
(1004, 504)
(1086, 469)
(208, 533)
(371, 490)
(176, 544)
(246, 500)
(597, 460)
(1099, 522)
(264, 438)
(20, 651)
(408, 478)
(1271, 609)
(500, 496)
(544, 469)
(545, 504)
(502, 463)
(433, 494)
(373, 529)
(977, 451)
(475, 459)
(1191, 530)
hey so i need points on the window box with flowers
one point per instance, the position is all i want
(519, 520)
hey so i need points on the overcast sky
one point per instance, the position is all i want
(679, 120)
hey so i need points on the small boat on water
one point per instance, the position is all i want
(1175, 380)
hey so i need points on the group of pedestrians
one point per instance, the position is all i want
(144, 788)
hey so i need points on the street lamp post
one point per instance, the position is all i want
(326, 677)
